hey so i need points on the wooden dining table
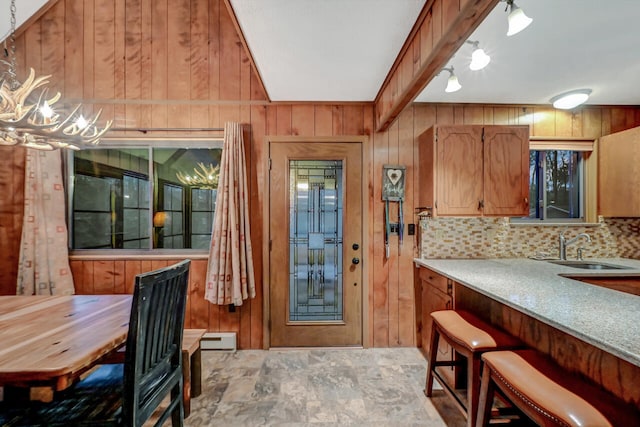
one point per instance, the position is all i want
(51, 340)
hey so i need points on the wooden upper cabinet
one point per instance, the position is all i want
(475, 170)
(619, 174)
(459, 170)
(506, 170)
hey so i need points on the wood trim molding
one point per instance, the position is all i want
(247, 51)
(449, 32)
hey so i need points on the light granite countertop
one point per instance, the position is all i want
(605, 318)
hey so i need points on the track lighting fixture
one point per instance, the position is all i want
(479, 59)
(518, 21)
(571, 99)
(452, 84)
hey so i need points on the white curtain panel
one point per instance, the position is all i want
(230, 277)
(44, 257)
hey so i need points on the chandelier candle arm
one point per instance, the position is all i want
(203, 176)
(28, 118)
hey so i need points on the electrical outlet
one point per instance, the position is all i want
(394, 227)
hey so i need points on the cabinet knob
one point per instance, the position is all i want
(355, 261)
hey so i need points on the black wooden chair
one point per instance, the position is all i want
(128, 394)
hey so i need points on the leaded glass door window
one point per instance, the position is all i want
(315, 240)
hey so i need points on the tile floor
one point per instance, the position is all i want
(359, 387)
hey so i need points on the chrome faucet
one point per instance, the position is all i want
(563, 243)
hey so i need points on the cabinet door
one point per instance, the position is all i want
(618, 174)
(434, 300)
(437, 294)
(506, 170)
(459, 170)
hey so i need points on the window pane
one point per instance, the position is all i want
(187, 180)
(92, 230)
(562, 184)
(109, 186)
(115, 196)
(555, 184)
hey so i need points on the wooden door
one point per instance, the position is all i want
(315, 235)
(459, 170)
(506, 170)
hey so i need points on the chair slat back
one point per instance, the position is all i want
(153, 359)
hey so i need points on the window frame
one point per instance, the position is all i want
(133, 143)
(588, 183)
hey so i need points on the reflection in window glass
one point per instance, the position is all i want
(143, 198)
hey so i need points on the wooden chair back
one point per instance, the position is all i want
(153, 358)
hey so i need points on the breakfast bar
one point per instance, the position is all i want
(585, 328)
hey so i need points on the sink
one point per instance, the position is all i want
(589, 265)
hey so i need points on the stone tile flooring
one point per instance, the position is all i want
(359, 387)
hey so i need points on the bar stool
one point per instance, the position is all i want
(547, 394)
(470, 337)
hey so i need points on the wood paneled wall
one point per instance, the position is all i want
(180, 64)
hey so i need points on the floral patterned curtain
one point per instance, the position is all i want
(43, 268)
(230, 277)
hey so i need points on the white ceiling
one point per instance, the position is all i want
(570, 44)
(341, 50)
(336, 50)
(325, 50)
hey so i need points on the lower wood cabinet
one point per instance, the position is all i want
(436, 294)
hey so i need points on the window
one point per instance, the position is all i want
(556, 185)
(143, 195)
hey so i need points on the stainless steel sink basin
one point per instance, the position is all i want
(589, 265)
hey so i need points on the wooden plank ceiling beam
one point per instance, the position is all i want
(442, 27)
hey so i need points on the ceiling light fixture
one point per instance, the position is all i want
(29, 119)
(479, 59)
(571, 99)
(518, 21)
(452, 84)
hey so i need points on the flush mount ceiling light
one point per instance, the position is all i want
(452, 84)
(518, 21)
(571, 99)
(28, 118)
(479, 59)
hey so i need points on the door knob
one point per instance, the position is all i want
(356, 260)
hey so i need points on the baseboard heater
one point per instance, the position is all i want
(225, 341)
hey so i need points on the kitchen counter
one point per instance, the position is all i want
(604, 318)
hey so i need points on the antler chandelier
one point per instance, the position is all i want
(28, 118)
(205, 177)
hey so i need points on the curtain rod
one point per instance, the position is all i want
(146, 130)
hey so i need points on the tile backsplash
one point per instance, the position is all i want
(489, 237)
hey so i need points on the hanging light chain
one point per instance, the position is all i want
(13, 78)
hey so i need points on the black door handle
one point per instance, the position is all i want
(356, 260)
